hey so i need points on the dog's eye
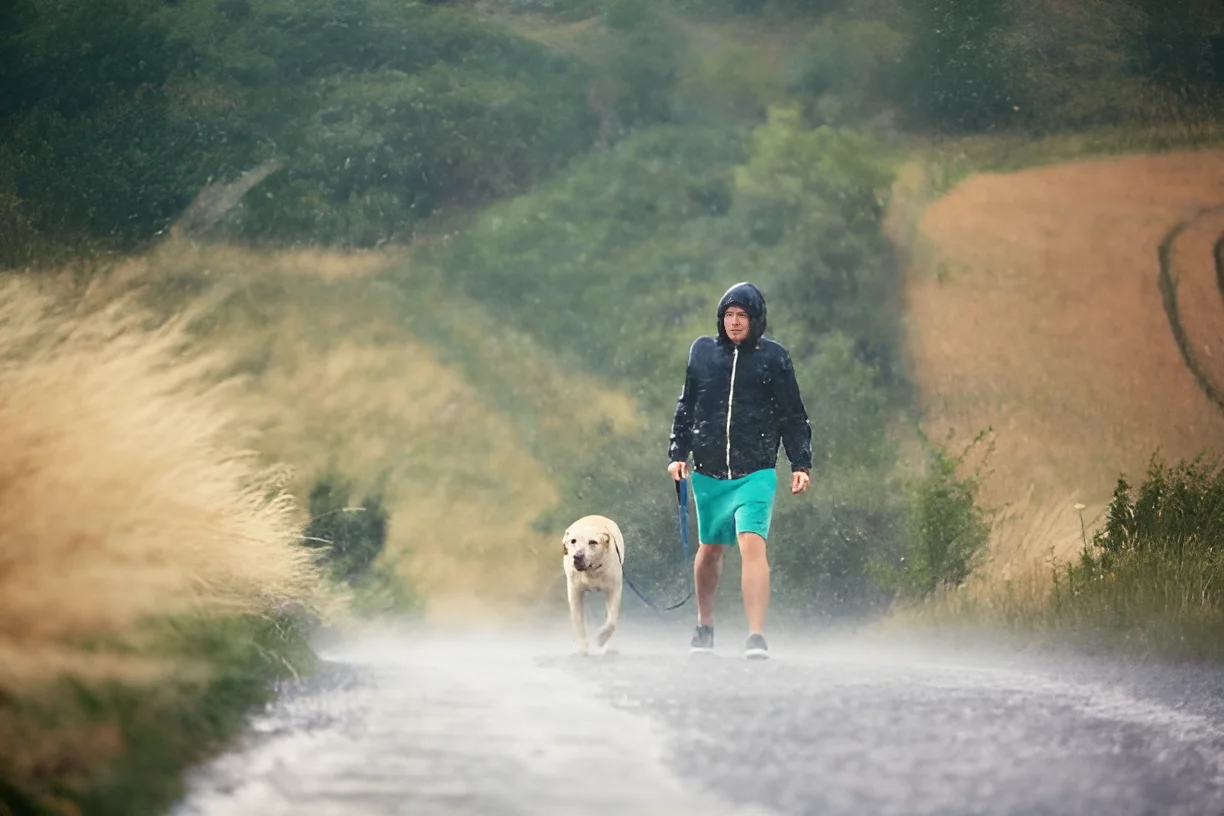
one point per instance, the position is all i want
(573, 541)
(591, 542)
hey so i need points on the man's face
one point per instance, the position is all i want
(735, 324)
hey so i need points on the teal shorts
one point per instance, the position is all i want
(728, 507)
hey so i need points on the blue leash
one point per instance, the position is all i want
(682, 513)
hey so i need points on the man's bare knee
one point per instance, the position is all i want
(752, 547)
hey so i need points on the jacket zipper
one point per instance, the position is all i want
(730, 401)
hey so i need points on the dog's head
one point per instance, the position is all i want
(586, 545)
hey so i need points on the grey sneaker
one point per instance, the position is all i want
(703, 639)
(756, 648)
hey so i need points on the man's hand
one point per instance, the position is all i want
(799, 482)
(678, 470)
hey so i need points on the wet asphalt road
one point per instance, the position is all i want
(425, 722)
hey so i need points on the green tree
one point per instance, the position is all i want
(946, 530)
(960, 72)
(1180, 43)
(812, 203)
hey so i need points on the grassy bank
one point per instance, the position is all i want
(413, 396)
(121, 745)
(152, 583)
(1148, 581)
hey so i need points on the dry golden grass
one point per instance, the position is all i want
(1033, 534)
(126, 487)
(1011, 590)
(1033, 307)
(1015, 604)
(340, 375)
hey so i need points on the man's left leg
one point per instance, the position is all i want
(754, 581)
(752, 523)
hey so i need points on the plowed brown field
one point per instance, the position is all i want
(1194, 288)
(1034, 306)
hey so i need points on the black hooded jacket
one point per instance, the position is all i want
(740, 401)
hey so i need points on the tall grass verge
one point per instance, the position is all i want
(1148, 580)
(152, 581)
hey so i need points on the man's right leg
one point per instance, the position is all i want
(754, 583)
(715, 523)
(707, 569)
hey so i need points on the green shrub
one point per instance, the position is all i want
(354, 537)
(1151, 578)
(844, 69)
(1177, 509)
(946, 530)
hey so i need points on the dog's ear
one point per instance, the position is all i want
(564, 538)
(605, 538)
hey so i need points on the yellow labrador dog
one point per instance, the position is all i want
(593, 552)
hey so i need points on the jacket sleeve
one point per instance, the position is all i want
(682, 422)
(793, 422)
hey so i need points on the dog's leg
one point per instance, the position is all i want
(612, 602)
(576, 616)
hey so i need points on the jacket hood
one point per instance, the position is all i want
(752, 301)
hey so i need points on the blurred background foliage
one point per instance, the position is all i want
(595, 173)
(561, 191)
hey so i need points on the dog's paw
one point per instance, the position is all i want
(605, 634)
(582, 649)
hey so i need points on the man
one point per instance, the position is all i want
(739, 400)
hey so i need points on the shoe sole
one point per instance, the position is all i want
(756, 654)
(701, 649)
